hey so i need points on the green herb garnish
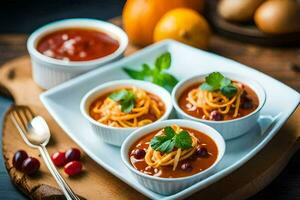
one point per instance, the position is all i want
(156, 74)
(125, 98)
(216, 81)
(166, 143)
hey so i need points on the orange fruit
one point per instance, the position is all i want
(184, 25)
(140, 16)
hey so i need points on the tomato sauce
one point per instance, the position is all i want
(197, 163)
(76, 44)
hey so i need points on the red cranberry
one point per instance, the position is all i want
(72, 154)
(215, 115)
(202, 152)
(58, 158)
(73, 168)
(30, 166)
(186, 166)
(139, 154)
(19, 158)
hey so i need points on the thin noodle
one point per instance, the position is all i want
(145, 105)
(209, 101)
(156, 159)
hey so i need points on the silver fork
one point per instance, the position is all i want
(35, 132)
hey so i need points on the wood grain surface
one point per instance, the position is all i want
(95, 182)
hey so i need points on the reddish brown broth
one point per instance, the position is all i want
(76, 44)
(198, 113)
(198, 163)
(149, 115)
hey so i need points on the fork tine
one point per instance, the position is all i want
(19, 124)
(27, 113)
(22, 116)
(30, 113)
(16, 121)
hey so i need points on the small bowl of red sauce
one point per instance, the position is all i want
(64, 49)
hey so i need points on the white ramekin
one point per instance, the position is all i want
(229, 128)
(168, 186)
(115, 135)
(48, 72)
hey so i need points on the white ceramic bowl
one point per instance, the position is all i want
(115, 135)
(168, 186)
(229, 128)
(48, 72)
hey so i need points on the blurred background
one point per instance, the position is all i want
(25, 16)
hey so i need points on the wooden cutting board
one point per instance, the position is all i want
(95, 182)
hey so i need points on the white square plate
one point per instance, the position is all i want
(63, 104)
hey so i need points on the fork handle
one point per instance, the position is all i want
(68, 192)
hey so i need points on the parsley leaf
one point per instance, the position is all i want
(183, 140)
(117, 96)
(225, 82)
(157, 73)
(169, 132)
(157, 141)
(125, 98)
(206, 86)
(167, 146)
(216, 81)
(229, 91)
(128, 103)
(166, 143)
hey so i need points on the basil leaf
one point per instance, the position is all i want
(117, 96)
(163, 61)
(146, 70)
(206, 86)
(155, 74)
(135, 74)
(165, 80)
(167, 146)
(183, 140)
(169, 81)
(158, 79)
(229, 90)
